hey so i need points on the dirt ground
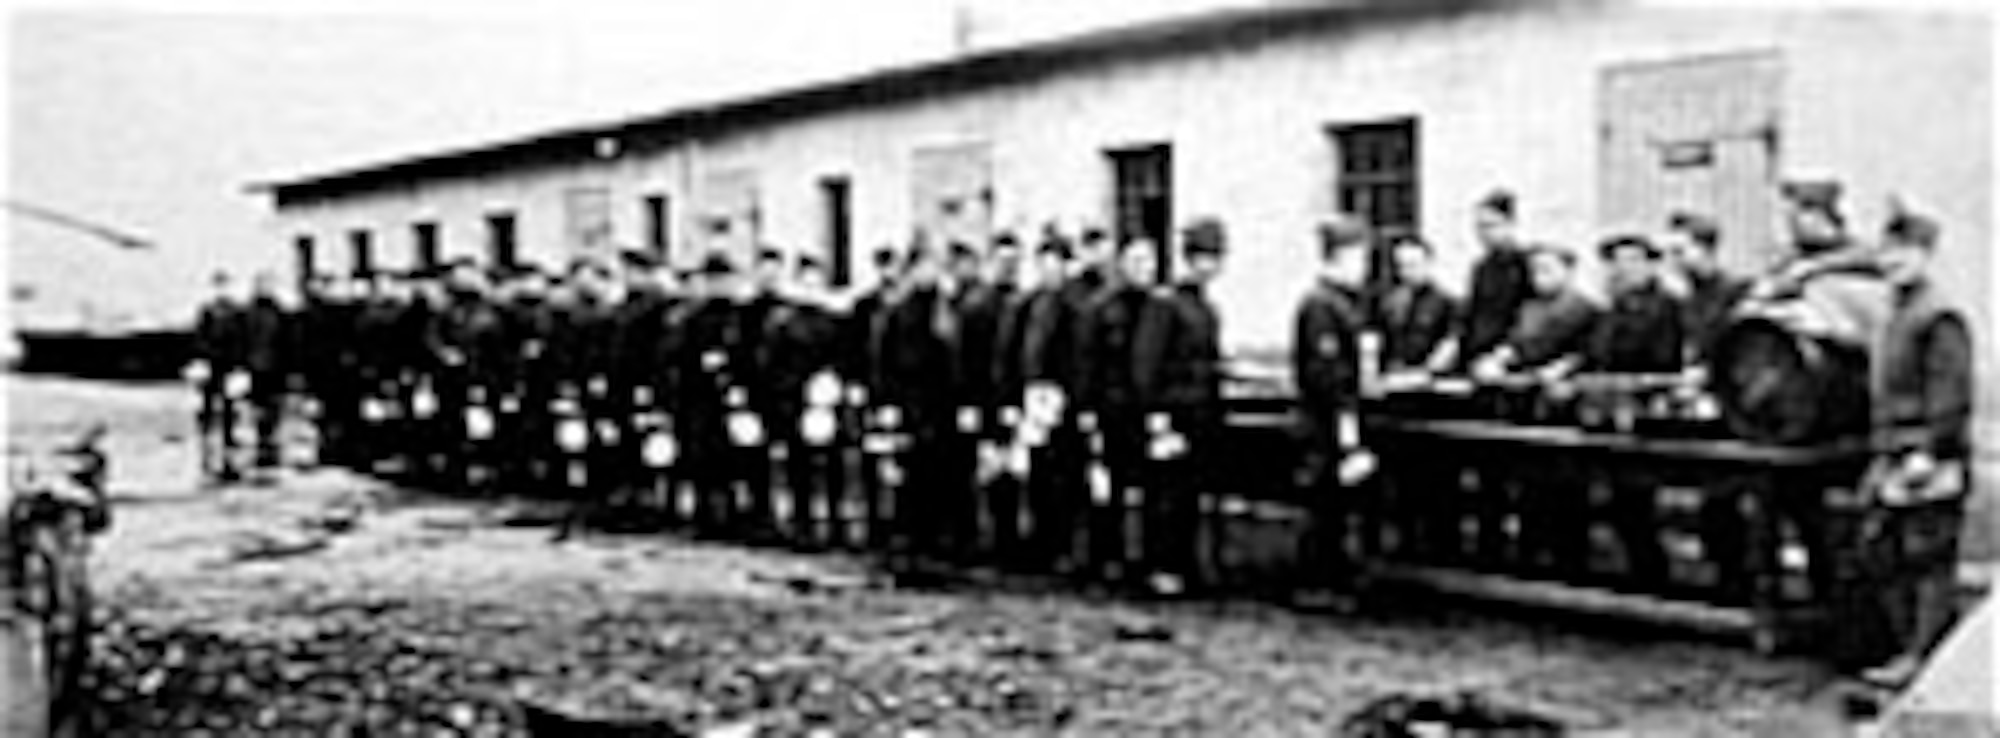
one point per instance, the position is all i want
(432, 616)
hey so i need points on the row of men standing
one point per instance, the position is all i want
(970, 402)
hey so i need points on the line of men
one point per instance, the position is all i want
(767, 406)
(973, 401)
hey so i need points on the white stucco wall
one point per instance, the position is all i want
(1887, 101)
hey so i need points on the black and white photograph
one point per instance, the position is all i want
(935, 368)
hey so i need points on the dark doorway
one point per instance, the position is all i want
(836, 207)
(502, 241)
(428, 249)
(362, 247)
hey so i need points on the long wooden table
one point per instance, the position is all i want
(1769, 485)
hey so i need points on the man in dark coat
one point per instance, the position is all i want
(1178, 357)
(1055, 367)
(801, 355)
(219, 351)
(381, 357)
(1922, 416)
(984, 366)
(914, 357)
(268, 357)
(1709, 294)
(859, 332)
(1418, 320)
(1114, 410)
(1552, 329)
(709, 368)
(1499, 278)
(1326, 365)
(1050, 375)
(1642, 329)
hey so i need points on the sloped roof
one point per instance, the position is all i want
(1240, 26)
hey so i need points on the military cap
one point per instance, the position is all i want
(961, 250)
(1612, 245)
(884, 257)
(1341, 230)
(717, 264)
(1499, 201)
(1204, 236)
(1812, 192)
(1006, 240)
(1699, 227)
(768, 254)
(1910, 227)
(808, 261)
(1562, 253)
(1094, 234)
(1054, 242)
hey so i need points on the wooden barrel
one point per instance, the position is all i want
(1776, 386)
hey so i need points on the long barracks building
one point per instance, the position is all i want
(1603, 117)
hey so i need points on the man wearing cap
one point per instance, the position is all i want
(638, 323)
(708, 366)
(1178, 354)
(914, 363)
(268, 355)
(1326, 366)
(1112, 404)
(478, 341)
(1922, 388)
(981, 299)
(801, 357)
(1049, 369)
(1006, 495)
(1640, 331)
(1709, 294)
(218, 351)
(1500, 279)
(860, 330)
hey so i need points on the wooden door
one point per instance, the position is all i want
(1699, 134)
(952, 191)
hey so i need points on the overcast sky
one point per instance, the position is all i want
(153, 121)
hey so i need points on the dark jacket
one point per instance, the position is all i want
(1641, 331)
(267, 340)
(1414, 320)
(1710, 302)
(1051, 343)
(1326, 354)
(1009, 341)
(218, 336)
(1111, 364)
(977, 350)
(1179, 347)
(800, 339)
(915, 358)
(1923, 377)
(1499, 287)
(1551, 328)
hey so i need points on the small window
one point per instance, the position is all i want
(361, 246)
(658, 238)
(1377, 179)
(837, 209)
(502, 241)
(428, 254)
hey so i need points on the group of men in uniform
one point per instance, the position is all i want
(1008, 402)
(998, 401)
